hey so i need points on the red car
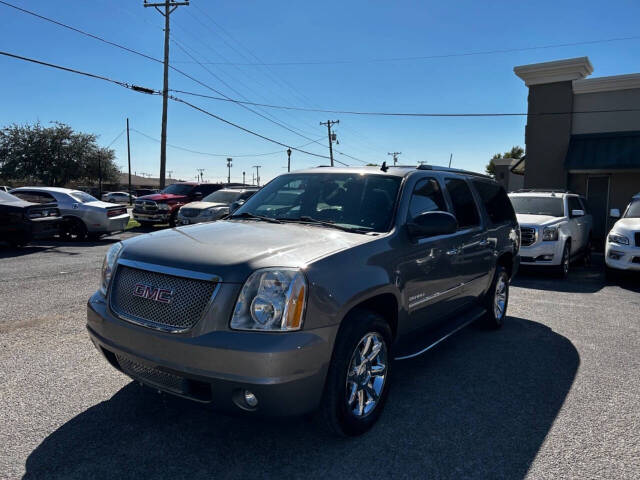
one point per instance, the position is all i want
(163, 207)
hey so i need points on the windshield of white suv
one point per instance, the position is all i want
(223, 196)
(178, 189)
(551, 206)
(348, 200)
(633, 210)
(83, 197)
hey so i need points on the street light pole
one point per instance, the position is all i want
(229, 163)
(288, 159)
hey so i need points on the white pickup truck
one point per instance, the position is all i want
(555, 228)
(622, 251)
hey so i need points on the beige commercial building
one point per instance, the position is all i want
(583, 134)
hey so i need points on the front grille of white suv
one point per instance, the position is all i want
(527, 236)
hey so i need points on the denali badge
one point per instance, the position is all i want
(162, 295)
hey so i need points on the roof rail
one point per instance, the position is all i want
(452, 170)
(543, 190)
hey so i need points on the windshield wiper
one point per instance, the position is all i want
(254, 217)
(315, 221)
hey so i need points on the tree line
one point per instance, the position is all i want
(53, 156)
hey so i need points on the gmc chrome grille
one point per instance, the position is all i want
(151, 375)
(134, 297)
(190, 212)
(527, 236)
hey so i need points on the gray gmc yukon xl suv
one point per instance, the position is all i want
(302, 299)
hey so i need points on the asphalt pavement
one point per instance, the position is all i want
(554, 394)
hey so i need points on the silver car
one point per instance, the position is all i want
(215, 205)
(85, 216)
(117, 197)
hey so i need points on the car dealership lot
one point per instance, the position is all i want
(555, 393)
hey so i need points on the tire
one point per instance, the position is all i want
(74, 229)
(497, 299)
(565, 263)
(587, 253)
(355, 393)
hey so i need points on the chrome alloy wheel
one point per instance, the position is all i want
(500, 297)
(366, 374)
(565, 261)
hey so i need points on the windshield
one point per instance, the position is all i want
(83, 197)
(551, 206)
(223, 196)
(349, 200)
(178, 189)
(633, 210)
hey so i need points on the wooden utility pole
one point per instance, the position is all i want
(129, 159)
(229, 164)
(168, 7)
(329, 124)
(395, 157)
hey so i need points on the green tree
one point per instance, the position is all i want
(53, 155)
(516, 152)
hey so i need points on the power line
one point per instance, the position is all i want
(176, 99)
(116, 139)
(432, 57)
(222, 155)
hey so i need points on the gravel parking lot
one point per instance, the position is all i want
(554, 394)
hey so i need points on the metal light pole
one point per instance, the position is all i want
(243, 182)
(288, 159)
(229, 164)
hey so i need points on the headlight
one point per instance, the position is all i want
(271, 299)
(619, 239)
(550, 234)
(163, 206)
(108, 264)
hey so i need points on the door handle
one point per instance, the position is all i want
(484, 243)
(453, 251)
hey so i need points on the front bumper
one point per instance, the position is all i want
(542, 253)
(285, 371)
(156, 217)
(622, 257)
(182, 220)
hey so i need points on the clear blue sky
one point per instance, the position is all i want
(278, 31)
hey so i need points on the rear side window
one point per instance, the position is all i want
(496, 202)
(464, 207)
(35, 197)
(426, 197)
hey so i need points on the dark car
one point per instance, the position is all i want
(303, 297)
(163, 207)
(21, 221)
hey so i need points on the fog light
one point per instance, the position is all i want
(250, 399)
(615, 255)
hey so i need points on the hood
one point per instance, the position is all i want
(205, 205)
(627, 225)
(537, 220)
(162, 197)
(234, 249)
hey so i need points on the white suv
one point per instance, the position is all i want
(622, 250)
(555, 228)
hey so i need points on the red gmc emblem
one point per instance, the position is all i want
(162, 295)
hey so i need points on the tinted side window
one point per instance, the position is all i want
(574, 204)
(496, 202)
(35, 197)
(464, 207)
(426, 197)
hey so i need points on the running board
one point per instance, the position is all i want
(431, 339)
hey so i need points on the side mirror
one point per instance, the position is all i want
(431, 224)
(236, 205)
(614, 213)
(577, 213)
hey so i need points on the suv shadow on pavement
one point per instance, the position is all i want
(478, 406)
(582, 278)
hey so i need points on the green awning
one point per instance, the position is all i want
(604, 151)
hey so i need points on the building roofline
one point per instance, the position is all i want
(607, 84)
(556, 71)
